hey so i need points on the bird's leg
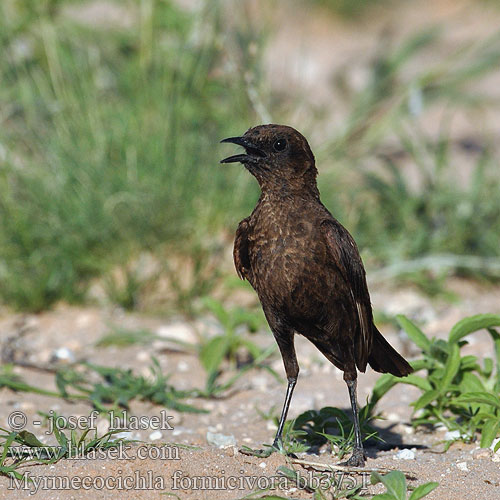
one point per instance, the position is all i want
(358, 454)
(278, 440)
(284, 339)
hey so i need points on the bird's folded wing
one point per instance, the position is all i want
(345, 255)
(240, 250)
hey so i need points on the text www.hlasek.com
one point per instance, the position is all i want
(120, 451)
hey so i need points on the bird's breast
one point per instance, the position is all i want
(289, 261)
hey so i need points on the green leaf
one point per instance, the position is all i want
(382, 386)
(29, 439)
(395, 482)
(425, 399)
(423, 490)
(213, 352)
(450, 369)
(472, 324)
(480, 398)
(6, 446)
(217, 309)
(489, 432)
(471, 383)
(419, 382)
(414, 332)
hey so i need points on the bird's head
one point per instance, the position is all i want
(278, 156)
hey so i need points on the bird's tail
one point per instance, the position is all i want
(384, 358)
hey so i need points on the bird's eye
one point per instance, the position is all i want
(280, 145)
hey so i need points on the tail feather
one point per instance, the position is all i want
(384, 358)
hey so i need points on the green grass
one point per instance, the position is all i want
(109, 154)
(109, 141)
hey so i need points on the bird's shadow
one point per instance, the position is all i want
(389, 440)
(386, 439)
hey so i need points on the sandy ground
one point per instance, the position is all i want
(169, 465)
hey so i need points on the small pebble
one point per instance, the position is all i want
(63, 354)
(452, 435)
(220, 440)
(182, 366)
(462, 466)
(393, 417)
(154, 436)
(263, 465)
(143, 356)
(404, 455)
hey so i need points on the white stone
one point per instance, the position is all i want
(220, 440)
(452, 435)
(63, 354)
(404, 455)
(155, 435)
(177, 331)
(182, 366)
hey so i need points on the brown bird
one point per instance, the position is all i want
(306, 268)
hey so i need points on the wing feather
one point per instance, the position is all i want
(240, 250)
(345, 255)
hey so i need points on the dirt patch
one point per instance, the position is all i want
(239, 415)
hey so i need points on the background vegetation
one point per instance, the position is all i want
(109, 155)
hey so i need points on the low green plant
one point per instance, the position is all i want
(332, 426)
(15, 383)
(231, 345)
(112, 388)
(107, 388)
(22, 448)
(397, 489)
(123, 337)
(458, 391)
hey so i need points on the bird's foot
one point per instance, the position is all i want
(357, 459)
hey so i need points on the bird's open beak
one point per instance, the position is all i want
(252, 152)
